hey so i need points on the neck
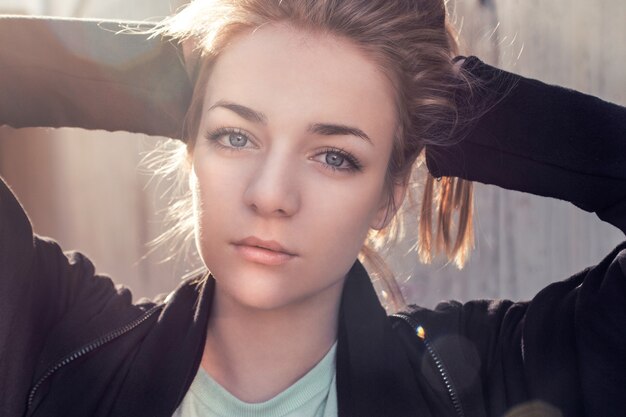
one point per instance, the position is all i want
(256, 354)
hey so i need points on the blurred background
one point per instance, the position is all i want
(88, 190)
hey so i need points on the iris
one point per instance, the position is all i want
(237, 140)
(334, 159)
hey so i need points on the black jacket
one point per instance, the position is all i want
(72, 344)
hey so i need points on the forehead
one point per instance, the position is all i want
(289, 73)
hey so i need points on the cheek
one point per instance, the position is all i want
(218, 182)
(215, 190)
(343, 213)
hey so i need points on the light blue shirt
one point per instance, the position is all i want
(313, 395)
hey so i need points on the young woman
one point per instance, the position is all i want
(303, 124)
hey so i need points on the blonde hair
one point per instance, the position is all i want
(413, 43)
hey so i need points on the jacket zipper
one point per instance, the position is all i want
(88, 348)
(421, 334)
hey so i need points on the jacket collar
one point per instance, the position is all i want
(374, 376)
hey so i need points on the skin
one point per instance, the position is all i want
(273, 179)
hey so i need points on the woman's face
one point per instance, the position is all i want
(289, 165)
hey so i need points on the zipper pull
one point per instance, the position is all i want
(421, 333)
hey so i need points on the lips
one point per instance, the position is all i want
(264, 244)
(265, 252)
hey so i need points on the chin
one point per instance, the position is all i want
(267, 289)
(265, 297)
(259, 288)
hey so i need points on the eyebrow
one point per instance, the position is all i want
(243, 111)
(325, 129)
(335, 129)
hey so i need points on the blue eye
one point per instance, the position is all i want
(334, 159)
(237, 140)
(338, 160)
(230, 138)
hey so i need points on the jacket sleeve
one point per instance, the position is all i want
(91, 74)
(567, 346)
(39, 286)
(542, 139)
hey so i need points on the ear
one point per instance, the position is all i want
(389, 205)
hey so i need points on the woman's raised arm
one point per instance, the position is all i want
(542, 139)
(92, 74)
(567, 346)
(54, 73)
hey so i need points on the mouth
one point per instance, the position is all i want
(266, 252)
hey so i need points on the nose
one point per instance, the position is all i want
(273, 190)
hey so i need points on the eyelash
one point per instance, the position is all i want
(354, 163)
(214, 135)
